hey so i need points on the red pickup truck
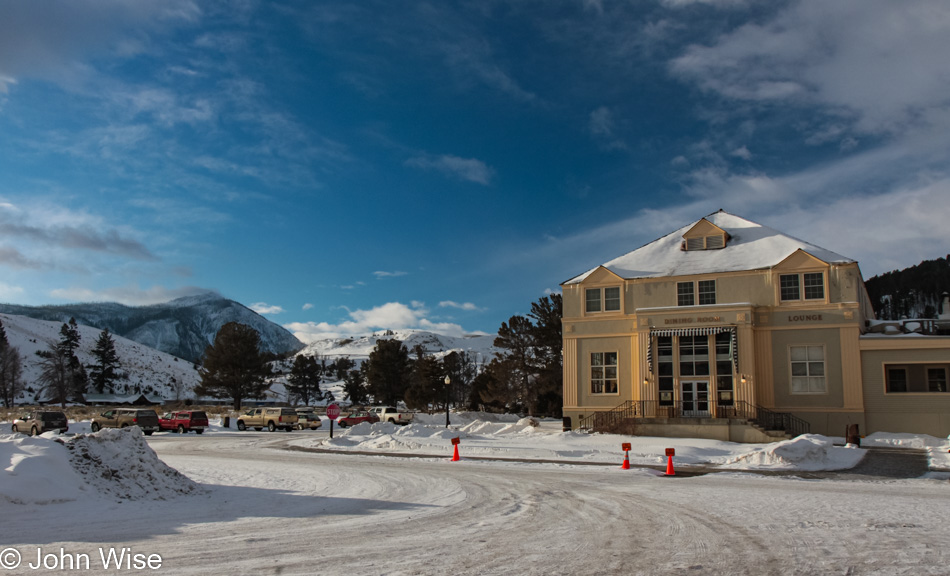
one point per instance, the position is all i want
(184, 421)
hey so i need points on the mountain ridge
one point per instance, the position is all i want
(183, 327)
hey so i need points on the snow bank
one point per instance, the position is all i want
(805, 452)
(117, 463)
(36, 470)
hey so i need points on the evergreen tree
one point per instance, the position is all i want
(304, 380)
(77, 381)
(529, 372)
(426, 388)
(233, 366)
(387, 371)
(548, 345)
(11, 370)
(517, 358)
(107, 361)
(342, 366)
(354, 387)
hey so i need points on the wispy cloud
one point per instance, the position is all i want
(468, 306)
(385, 274)
(264, 308)
(130, 295)
(46, 227)
(602, 126)
(306, 306)
(469, 169)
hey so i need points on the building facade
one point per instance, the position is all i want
(726, 319)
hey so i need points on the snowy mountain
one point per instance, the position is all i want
(183, 327)
(438, 345)
(145, 369)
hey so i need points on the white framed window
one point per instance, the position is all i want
(707, 292)
(603, 373)
(790, 286)
(602, 299)
(687, 292)
(685, 296)
(807, 366)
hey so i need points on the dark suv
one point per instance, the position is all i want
(146, 419)
(39, 421)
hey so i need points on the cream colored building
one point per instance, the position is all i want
(726, 322)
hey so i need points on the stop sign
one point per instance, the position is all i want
(333, 411)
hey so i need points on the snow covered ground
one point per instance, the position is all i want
(269, 503)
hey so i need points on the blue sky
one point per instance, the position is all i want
(343, 167)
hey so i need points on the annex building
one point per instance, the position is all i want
(731, 330)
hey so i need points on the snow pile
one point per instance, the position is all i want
(497, 428)
(120, 463)
(918, 441)
(37, 471)
(464, 418)
(805, 452)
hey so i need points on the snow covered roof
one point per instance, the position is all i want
(750, 246)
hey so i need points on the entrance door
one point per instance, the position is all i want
(695, 397)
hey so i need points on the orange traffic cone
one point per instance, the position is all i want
(626, 461)
(455, 457)
(669, 466)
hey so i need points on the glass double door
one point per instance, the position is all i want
(694, 395)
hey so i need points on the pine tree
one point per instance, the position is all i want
(77, 381)
(354, 387)
(107, 361)
(426, 388)
(304, 380)
(11, 370)
(387, 371)
(234, 367)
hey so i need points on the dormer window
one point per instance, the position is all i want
(713, 242)
(705, 236)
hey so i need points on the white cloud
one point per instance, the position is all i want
(9, 292)
(264, 308)
(386, 274)
(871, 64)
(468, 169)
(742, 152)
(461, 306)
(307, 306)
(389, 316)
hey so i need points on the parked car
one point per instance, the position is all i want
(358, 417)
(308, 421)
(144, 418)
(39, 421)
(390, 414)
(272, 418)
(184, 421)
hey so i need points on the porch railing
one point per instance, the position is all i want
(616, 418)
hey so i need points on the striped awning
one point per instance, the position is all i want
(703, 331)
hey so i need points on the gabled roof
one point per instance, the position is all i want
(751, 246)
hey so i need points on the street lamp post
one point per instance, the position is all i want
(448, 381)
